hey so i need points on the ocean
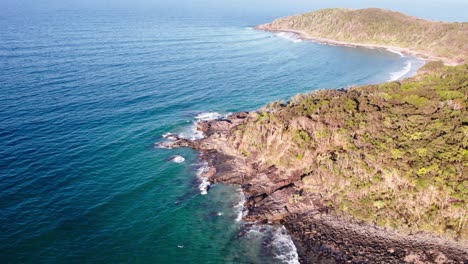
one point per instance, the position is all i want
(85, 95)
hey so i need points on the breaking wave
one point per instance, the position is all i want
(207, 116)
(289, 36)
(283, 247)
(396, 52)
(277, 242)
(398, 75)
(191, 131)
(239, 207)
(204, 182)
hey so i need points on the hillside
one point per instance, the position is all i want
(430, 39)
(394, 154)
(376, 173)
(370, 174)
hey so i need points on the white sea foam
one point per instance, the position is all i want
(204, 185)
(207, 116)
(394, 76)
(239, 207)
(256, 230)
(284, 247)
(170, 136)
(277, 241)
(289, 36)
(177, 159)
(204, 182)
(162, 145)
(165, 144)
(192, 132)
(396, 52)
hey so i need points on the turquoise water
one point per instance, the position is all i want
(84, 97)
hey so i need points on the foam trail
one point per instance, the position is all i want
(204, 182)
(284, 247)
(396, 52)
(207, 116)
(289, 36)
(394, 76)
(192, 132)
(239, 207)
(277, 241)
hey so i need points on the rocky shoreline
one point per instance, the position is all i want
(320, 234)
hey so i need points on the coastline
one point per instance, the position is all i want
(320, 234)
(395, 76)
(405, 51)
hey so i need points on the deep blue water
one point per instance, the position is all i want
(83, 98)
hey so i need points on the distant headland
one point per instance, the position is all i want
(373, 27)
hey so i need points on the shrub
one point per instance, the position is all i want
(415, 100)
(397, 154)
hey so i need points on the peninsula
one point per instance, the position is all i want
(371, 174)
(375, 27)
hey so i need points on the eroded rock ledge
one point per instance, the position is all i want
(320, 234)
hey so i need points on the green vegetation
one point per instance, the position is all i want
(382, 27)
(394, 154)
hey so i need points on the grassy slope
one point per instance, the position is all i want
(394, 154)
(382, 27)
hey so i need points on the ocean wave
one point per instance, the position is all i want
(289, 36)
(191, 132)
(239, 207)
(207, 116)
(204, 182)
(168, 135)
(284, 247)
(278, 242)
(396, 52)
(166, 144)
(394, 76)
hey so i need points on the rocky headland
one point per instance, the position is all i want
(371, 174)
(379, 28)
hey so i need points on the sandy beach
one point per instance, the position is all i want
(307, 37)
